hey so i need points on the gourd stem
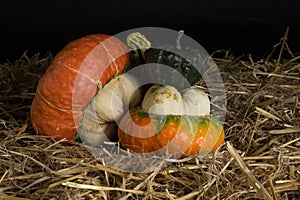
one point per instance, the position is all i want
(139, 44)
(180, 34)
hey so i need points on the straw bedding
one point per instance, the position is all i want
(259, 160)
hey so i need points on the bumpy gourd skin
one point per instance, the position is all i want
(167, 100)
(190, 63)
(142, 132)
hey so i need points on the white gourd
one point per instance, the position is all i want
(114, 99)
(195, 102)
(167, 100)
(107, 107)
(162, 100)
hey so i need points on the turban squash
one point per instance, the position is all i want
(168, 122)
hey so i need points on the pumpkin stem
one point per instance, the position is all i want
(180, 34)
(139, 44)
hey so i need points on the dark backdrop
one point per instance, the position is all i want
(244, 26)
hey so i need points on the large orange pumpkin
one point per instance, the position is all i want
(72, 80)
(142, 132)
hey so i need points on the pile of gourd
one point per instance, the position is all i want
(86, 91)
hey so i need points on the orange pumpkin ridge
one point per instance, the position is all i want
(70, 82)
(183, 135)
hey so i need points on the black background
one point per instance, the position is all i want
(244, 26)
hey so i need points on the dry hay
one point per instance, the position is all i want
(260, 159)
